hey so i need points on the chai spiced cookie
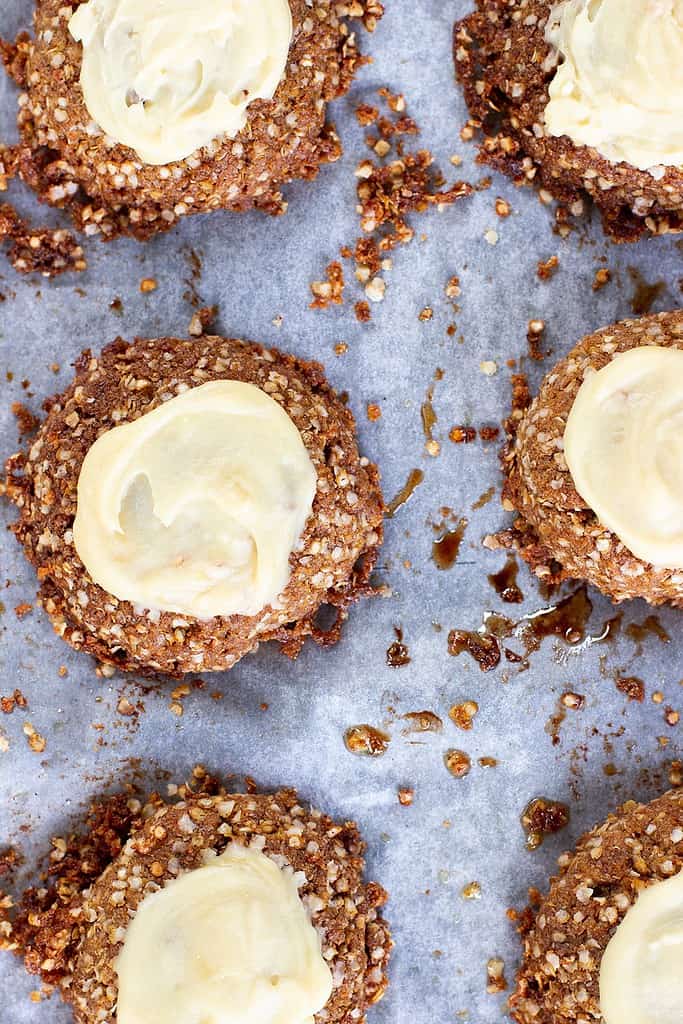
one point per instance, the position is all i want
(254, 899)
(593, 465)
(184, 500)
(604, 944)
(584, 98)
(129, 128)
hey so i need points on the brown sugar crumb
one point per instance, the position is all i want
(395, 101)
(542, 817)
(671, 717)
(453, 289)
(547, 268)
(458, 763)
(331, 290)
(27, 423)
(341, 348)
(23, 609)
(462, 435)
(502, 207)
(366, 115)
(426, 314)
(463, 714)
(15, 700)
(43, 251)
(633, 687)
(471, 891)
(603, 276)
(36, 742)
(573, 701)
(362, 311)
(148, 284)
(373, 412)
(405, 796)
(495, 976)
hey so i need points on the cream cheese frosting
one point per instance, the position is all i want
(619, 86)
(166, 77)
(623, 445)
(228, 943)
(641, 972)
(196, 506)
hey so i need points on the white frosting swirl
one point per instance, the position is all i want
(623, 444)
(196, 506)
(641, 972)
(227, 943)
(619, 87)
(165, 77)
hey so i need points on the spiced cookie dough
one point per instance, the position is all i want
(584, 99)
(254, 892)
(214, 490)
(201, 143)
(592, 465)
(602, 945)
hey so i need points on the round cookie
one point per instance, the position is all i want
(505, 66)
(355, 939)
(108, 190)
(556, 532)
(330, 566)
(641, 844)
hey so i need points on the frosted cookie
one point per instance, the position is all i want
(594, 464)
(585, 98)
(129, 127)
(248, 901)
(184, 500)
(605, 943)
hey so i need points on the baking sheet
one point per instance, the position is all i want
(457, 830)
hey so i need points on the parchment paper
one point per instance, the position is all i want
(255, 269)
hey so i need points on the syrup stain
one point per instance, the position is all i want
(651, 626)
(398, 653)
(458, 763)
(505, 582)
(366, 740)
(421, 721)
(446, 547)
(427, 413)
(483, 499)
(567, 620)
(415, 478)
(644, 295)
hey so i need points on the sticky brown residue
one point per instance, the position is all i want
(483, 647)
(458, 763)
(446, 547)
(644, 295)
(421, 721)
(504, 582)
(543, 817)
(415, 478)
(397, 652)
(633, 687)
(651, 626)
(366, 739)
(483, 499)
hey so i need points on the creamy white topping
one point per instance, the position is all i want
(227, 943)
(641, 973)
(196, 506)
(623, 445)
(166, 77)
(619, 87)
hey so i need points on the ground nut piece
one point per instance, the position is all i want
(330, 566)
(555, 532)
(566, 937)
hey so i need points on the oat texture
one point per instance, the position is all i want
(330, 567)
(71, 937)
(108, 190)
(556, 532)
(558, 982)
(505, 67)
